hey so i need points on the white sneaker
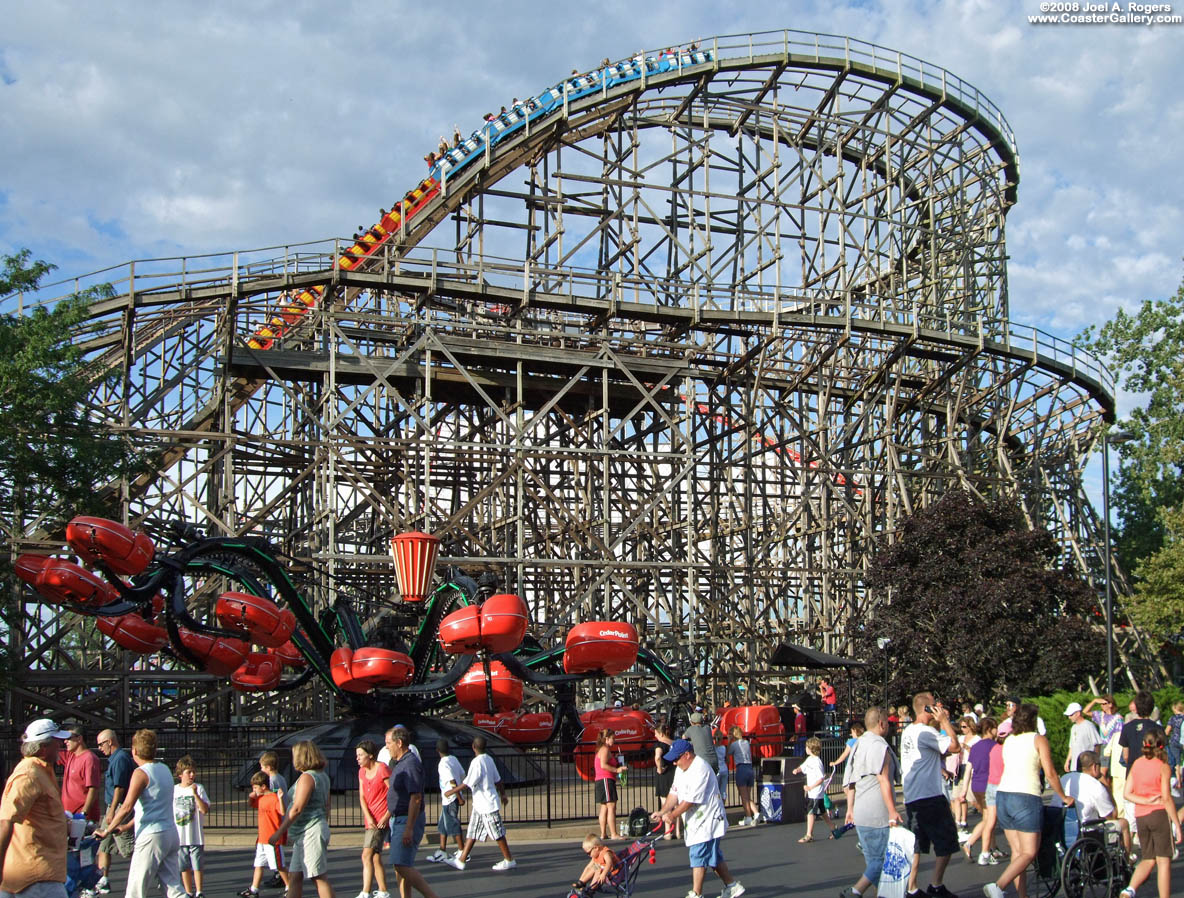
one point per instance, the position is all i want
(103, 886)
(504, 864)
(380, 895)
(692, 894)
(436, 856)
(963, 837)
(985, 858)
(363, 895)
(735, 890)
(992, 891)
(454, 862)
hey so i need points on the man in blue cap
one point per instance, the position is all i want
(695, 797)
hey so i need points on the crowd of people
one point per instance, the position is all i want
(1118, 771)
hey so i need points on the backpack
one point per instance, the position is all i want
(639, 822)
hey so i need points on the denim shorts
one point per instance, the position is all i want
(449, 822)
(39, 890)
(992, 791)
(404, 855)
(190, 856)
(745, 776)
(874, 840)
(706, 854)
(1019, 811)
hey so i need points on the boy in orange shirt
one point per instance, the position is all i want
(270, 814)
(601, 865)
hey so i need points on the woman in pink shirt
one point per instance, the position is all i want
(1148, 788)
(373, 780)
(605, 769)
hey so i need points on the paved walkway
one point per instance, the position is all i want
(767, 859)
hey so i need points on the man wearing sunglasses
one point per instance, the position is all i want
(116, 779)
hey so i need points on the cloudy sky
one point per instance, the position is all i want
(138, 130)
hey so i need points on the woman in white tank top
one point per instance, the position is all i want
(150, 798)
(1018, 801)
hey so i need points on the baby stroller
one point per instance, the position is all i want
(624, 878)
(81, 870)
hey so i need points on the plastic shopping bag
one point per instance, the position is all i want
(898, 862)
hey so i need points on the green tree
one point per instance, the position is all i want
(1146, 351)
(54, 454)
(1158, 603)
(978, 608)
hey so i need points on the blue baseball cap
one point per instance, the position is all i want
(678, 748)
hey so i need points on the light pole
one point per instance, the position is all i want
(883, 643)
(1109, 439)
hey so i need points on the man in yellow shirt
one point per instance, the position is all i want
(32, 821)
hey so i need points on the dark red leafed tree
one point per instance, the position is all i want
(978, 607)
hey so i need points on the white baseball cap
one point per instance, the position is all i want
(1073, 708)
(42, 729)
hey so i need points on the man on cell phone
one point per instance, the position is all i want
(928, 812)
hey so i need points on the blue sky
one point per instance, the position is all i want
(138, 130)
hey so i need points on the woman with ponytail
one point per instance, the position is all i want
(1148, 788)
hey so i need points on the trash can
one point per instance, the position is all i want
(793, 798)
(782, 798)
(769, 801)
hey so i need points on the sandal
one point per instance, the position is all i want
(806, 839)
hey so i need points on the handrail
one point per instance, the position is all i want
(821, 46)
(823, 308)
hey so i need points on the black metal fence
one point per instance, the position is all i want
(219, 754)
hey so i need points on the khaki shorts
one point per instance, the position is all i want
(118, 843)
(308, 851)
(374, 839)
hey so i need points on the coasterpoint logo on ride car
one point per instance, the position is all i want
(1105, 14)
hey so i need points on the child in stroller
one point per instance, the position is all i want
(609, 873)
(602, 863)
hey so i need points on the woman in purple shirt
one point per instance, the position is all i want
(980, 764)
(1109, 722)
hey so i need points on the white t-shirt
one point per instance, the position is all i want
(186, 814)
(384, 755)
(814, 773)
(1091, 798)
(697, 784)
(483, 778)
(451, 774)
(921, 752)
(1083, 737)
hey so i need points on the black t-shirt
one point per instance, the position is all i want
(1132, 737)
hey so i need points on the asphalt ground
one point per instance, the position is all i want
(767, 859)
